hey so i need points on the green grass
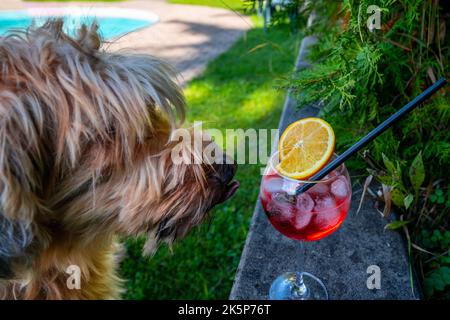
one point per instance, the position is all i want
(236, 91)
(74, 0)
(228, 4)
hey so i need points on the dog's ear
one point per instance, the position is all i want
(22, 177)
(20, 184)
(88, 37)
(15, 240)
(22, 167)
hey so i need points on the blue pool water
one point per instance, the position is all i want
(109, 27)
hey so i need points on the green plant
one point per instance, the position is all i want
(404, 188)
(438, 197)
(437, 279)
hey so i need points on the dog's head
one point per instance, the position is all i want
(86, 146)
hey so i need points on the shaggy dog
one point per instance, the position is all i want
(86, 156)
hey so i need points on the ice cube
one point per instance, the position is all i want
(283, 197)
(290, 186)
(287, 213)
(332, 174)
(339, 188)
(319, 189)
(283, 210)
(273, 185)
(327, 214)
(323, 203)
(302, 219)
(327, 218)
(304, 203)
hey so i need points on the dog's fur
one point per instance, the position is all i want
(85, 157)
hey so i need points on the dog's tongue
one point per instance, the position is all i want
(231, 189)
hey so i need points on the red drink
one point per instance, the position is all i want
(304, 147)
(309, 216)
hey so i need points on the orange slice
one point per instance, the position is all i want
(305, 147)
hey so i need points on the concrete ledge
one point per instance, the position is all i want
(340, 260)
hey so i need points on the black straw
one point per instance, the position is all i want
(373, 134)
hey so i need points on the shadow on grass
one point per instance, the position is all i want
(236, 91)
(210, 40)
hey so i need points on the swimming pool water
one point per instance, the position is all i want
(109, 27)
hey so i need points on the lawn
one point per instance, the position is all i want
(228, 4)
(236, 91)
(74, 0)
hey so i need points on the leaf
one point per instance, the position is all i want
(408, 200)
(438, 279)
(398, 197)
(399, 171)
(387, 199)
(431, 74)
(445, 260)
(366, 186)
(388, 164)
(415, 246)
(385, 179)
(259, 46)
(417, 172)
(437, 234)
(396, 224)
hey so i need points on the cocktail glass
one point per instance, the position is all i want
(309, 216)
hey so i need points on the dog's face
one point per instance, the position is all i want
(86, 149)
(172, 191)
(189, 190)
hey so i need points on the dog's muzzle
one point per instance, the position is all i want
(227, 171)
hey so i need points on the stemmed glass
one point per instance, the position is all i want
(309, 216)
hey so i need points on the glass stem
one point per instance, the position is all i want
(299, 288)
